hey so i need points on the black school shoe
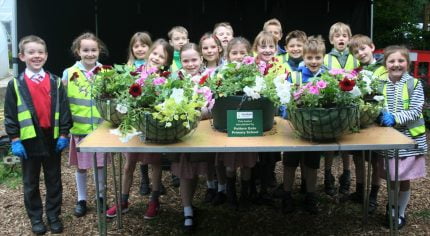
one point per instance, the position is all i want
(287, 203)
(188, 229)
(311, 203)
(80, 208)
(329, 187)
(345, 182)
(209, 195)
(55, 225)
(38, 227)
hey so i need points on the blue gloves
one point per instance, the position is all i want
(19, 150)
(386, 119)
(62, 143)
(283, 111)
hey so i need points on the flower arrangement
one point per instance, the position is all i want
(252, 78)
(335, 88)
(168, 99)
(109, 82)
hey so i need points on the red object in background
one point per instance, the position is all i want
(420, 63)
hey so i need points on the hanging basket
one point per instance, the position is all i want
(368, 113)
(323, 124)
(219, 111)
(107, 110)
(155, 132)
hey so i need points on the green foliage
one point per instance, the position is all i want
(10, 175)
(110, 82)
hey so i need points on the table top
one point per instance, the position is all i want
(281, 138)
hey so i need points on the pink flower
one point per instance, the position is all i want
(314, 90)
(140, 82)
(297, 94)
(248, 60)
(159, 81)
(321, 84)
(262, 67)
(336, 71)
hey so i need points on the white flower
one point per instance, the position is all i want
(196, 79)
(124, 138)
(378, 98)
(178, 95)
(121, 108)
(168, 124)
(367, 77)
(283, 88)
(355, 91)
(250, 92)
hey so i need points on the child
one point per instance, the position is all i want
(77, 78)
(404, 113)
(293, 58)
(274, 27)
(265, 48)
(224, 32)
(313, 56)
(362, 48)
(339, 58)
(237, 49)
(211, 49)
(37, 120)
(178, 37)
(188, 168)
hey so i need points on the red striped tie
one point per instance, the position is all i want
(36, 78)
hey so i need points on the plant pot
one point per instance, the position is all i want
(219, 111)
(368, 113)
(107, 110)
(323, 124)
(154, 131)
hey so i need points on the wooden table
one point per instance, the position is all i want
(281, 138)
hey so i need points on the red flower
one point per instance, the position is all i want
(266, 71)
(96, 70)
(181, 75)
(165, 74)
(203, 79)
(133, 73)
(74, 76)
(135, 90)
(107, 67)
(346, 84)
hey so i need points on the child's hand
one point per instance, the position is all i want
(19, 150)
(62, 143)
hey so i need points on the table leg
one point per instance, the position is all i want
(104, 195)
(119, 215)
(396, 192)
(96, 180)
(390, 197)
(363, 170)
(115, 187)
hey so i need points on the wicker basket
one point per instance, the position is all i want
(368, 114)
(323, 124)
(107, 110)
(155, 132)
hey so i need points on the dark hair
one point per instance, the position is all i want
(168, 50)
(76, 45)
(142, 37)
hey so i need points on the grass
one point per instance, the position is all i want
(424, 214)
(10, 175)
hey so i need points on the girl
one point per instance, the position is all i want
(77, 78)
(404, 100)
(140, 42)
(211, 49)
(237, 49)
(188, 168)
(159, 56)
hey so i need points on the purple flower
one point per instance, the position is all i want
(159, 81)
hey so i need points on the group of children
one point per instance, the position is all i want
(42, 109)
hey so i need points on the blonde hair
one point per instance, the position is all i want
(396, 48)
(167, 49)
(223, 24)
(314, 44)
(296, 34)
(209, 35)
(76, 45)
(179, 29)
(143, 38)
(274, 22)
(339, 27)
(358, 40)
(263, 38)
(30, 39)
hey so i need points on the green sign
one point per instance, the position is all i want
(244, 123)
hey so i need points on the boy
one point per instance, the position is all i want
(274, 27)
(224, 32)
(313, 57)
(178, 37)
(339, 58)
(293, 58)
(37, 120)
(362, 48)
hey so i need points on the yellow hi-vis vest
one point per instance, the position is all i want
(416, 127)
(283, 58)
(296, 77)
(331, 62)
(85, 115)
(26, 126)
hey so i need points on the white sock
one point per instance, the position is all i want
(100, 176)
(211, 184)
(221, 188)
(404, 197)
(81, 185)
(188, 211)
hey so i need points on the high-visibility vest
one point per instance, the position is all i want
(283, 58)
(331, 62)
(26, 126)
(416, 127)
(296, 77)
(381, 73)
(85, 115)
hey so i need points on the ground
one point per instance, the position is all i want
(335, 218)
